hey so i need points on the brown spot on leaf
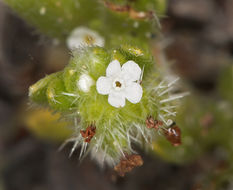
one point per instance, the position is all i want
(88, 133)
(128, 163)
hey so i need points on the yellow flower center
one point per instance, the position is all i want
(89, 39)
(118, 84)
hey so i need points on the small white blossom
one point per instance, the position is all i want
(120, 83)
(84, 36)
(85, 82)
(42, 10)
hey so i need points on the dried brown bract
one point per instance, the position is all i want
(173, 135)
(140, 14)
(132, 12)
(88, 133)
(152, 123)
(128, 163)
(116, 8)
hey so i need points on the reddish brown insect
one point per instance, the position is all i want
(88, 133)
(173, 135)
(152, 123)
(128, 163)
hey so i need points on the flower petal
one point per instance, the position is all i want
(133, 92)
(113, 68)
(99, 41)
(103, 85)
(131, 71)
(116, 99)
(74, 43)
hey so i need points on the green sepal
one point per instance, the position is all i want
(58, 97)
(70, 78)
(141, 56)
(37, 91)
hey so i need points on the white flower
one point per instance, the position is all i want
(84, 36)
(120, 83)
(85, 82)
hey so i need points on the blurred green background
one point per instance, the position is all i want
(196, 43)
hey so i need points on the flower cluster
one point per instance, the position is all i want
(114, 98)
